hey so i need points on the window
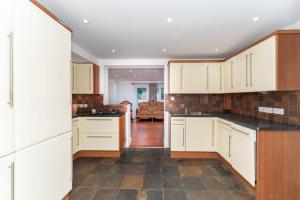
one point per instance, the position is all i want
(160, 94)
(141, 94)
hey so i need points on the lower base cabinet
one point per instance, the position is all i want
(7, 177)
(76, 136)
(44, 171)
(100, 142)
(178, 137)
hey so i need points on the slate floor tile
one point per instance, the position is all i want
(106, 194)
(135, 169)
(153, 170)
(127, 194)
(193, 183)
(83, 194)
(152, 182)
(174, 195)
(172, 182)
(111, 181)
(170, 171)
(190, 171)
(132, 181)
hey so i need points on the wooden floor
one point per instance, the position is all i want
(147, 134)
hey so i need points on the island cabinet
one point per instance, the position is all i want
(85, 78)
(270, 64)
(99, 136)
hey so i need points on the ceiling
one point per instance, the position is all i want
(139, 75)
(139, 28)
(78, 59)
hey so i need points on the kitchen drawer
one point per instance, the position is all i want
(101, 142)
(177, 120)
(100, 125)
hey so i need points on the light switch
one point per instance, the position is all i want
(268, 110)
(172, 98)
(278, 111)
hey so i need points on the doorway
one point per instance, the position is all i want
(143, 89)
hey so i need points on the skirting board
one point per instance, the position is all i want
(97, 154)
(215, 155)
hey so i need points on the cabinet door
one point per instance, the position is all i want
(6, 86)
(177, 137)
(215, 78)
(228, 77)
(175, 78)
(75, 135)
(243, 153)
(84, 78)
(44, 171)
(240, 78)
(224, 140)
(7, 174)
(100, 142)
(41, 76)
(199, 134)
(195, 78)
(262, 66)
(74, 85)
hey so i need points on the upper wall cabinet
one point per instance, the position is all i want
(271, 64)
(193, 78)
(85, 78)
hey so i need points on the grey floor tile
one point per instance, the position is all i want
(172, 182)
(106, 194)
(153, 170)
(152, 182)
(127, 194)
(174, 195)
(170, 171)
(193, 183)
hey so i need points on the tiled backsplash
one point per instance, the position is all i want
(194, 102)
(243, 103)
(248, 103)
(93, 101)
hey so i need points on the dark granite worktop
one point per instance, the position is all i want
(105, 114)
(248, 122)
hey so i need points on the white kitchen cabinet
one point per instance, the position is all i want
(228, 76)
(99, 125)
(175, 78)
(75, 135)
(44, 171)
(178, 133)
(215, 78)
(240, 80)
(199, 134)
(100, 142)
(42, 90)
(243, 152)
(83, 74)
(7, 167)
(224, 139)
(74, 80)
(262, 65)
(195, 78)
(6, 84)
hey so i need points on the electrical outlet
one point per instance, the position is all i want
(172, 98)
(268, 110)
(81, 105)
(85, 105)
(261, 109)
(278, 111)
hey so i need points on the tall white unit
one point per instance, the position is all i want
(35, 106)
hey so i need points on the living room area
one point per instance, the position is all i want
(143, 89)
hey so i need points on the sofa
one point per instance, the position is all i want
(150, 110)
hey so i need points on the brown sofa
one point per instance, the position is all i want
(150, 110)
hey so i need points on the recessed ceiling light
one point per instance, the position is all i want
(86, 21)
(164, 50)
(255, 19)
(113, 51)
(216, 49)
(169, 20)
(130, 70)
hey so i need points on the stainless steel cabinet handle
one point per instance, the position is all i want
(213, 135)
(247, 71)
(220, 77)
(96, 136)
(73, 75)
(183, 137)
(12, 177)
(181, 77)
(99, 119)
(90, 78)
(207, 79)
(240, 131)
(77, 136)
(178, 120)
(11, 69)
(229, 146)
(251, 81)
(231, 74)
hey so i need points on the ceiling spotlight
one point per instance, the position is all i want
(216, 49)
(169, 20)
(113, 51)
(255, 19)
(130, 70)
(164, 50)
(86, 21)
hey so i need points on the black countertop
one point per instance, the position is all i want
(248, 122)
(119, 114)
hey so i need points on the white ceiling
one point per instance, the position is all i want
(78, 59)
(139, 28)
(135, 74)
